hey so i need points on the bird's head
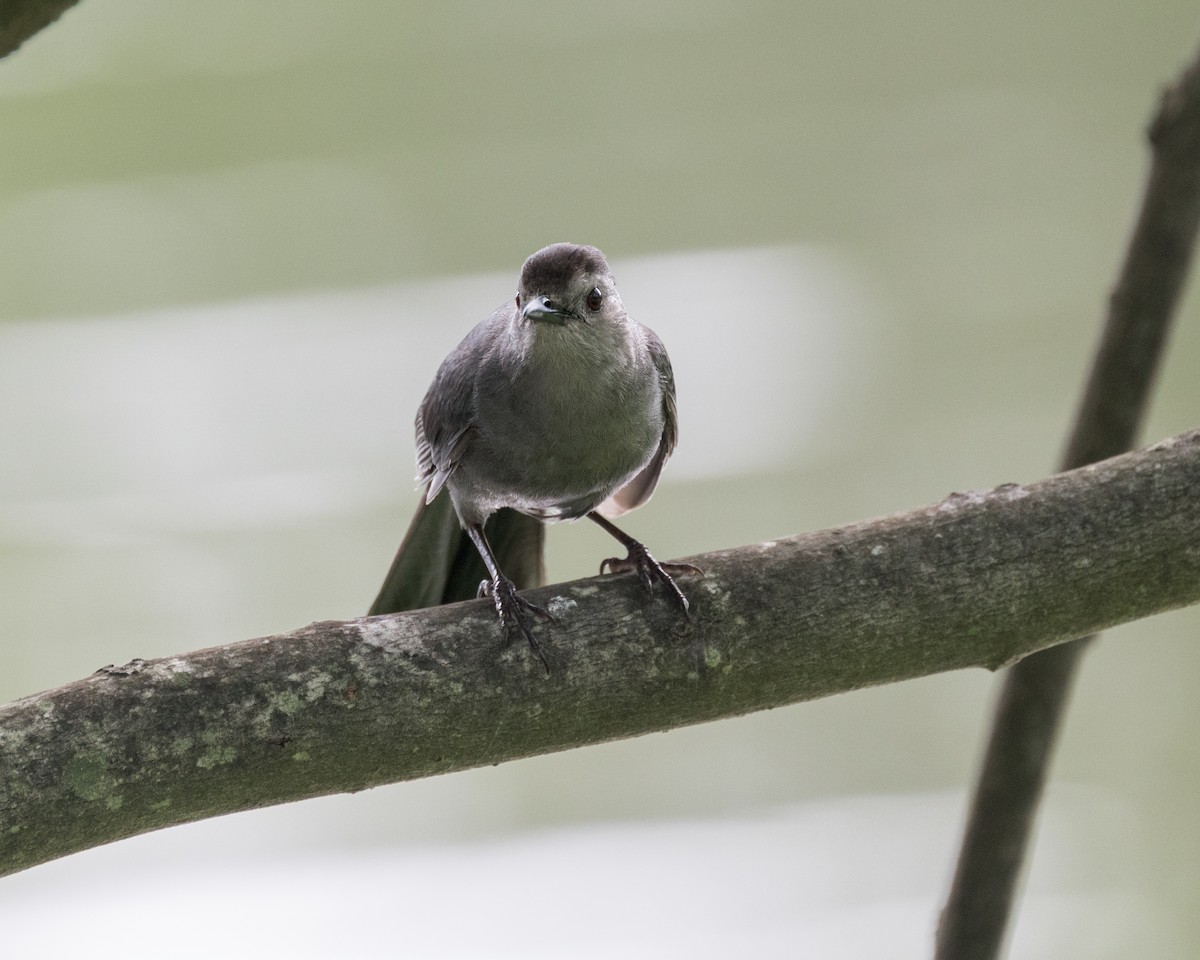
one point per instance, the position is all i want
(565, 283)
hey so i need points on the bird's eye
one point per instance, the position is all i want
(518, 299)
(595, 299)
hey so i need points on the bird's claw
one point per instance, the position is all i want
(650, 572)
(515, 611)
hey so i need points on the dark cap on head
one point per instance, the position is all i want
(554, 267)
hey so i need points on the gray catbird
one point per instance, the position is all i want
(557, 406)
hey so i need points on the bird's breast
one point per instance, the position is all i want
(577, 417)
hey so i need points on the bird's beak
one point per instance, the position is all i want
(544, 310)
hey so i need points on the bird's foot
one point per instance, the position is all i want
(650, 572)
(515, 611)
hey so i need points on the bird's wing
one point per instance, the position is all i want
(445, 422)
(638, 490)
(666, 378)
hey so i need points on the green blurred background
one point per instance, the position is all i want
(237, 239)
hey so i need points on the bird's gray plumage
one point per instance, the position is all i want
(549, 418)
(556, 406)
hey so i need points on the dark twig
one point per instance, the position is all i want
(1036, 690)
(21, 19)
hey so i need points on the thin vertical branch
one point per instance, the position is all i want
(1036, 690)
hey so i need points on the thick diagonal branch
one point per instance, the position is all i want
(977, 580)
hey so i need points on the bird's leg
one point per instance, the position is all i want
(513, 609)
(639, 561)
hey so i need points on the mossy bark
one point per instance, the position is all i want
(979, 579)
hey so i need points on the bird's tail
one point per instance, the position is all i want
(437, 563)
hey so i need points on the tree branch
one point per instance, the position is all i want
(1034, 697)
(21, 19)
(977, 580)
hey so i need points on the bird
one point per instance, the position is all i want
(557, 406)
